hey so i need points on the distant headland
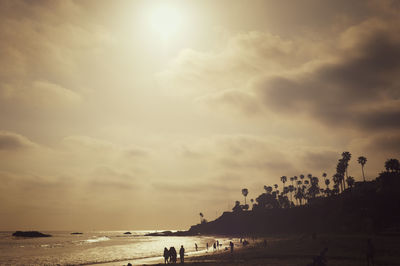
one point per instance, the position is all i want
(306, 207)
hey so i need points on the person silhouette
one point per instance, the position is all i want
(207, 246)
(195, 245)
(166, 255)
(214, 246)
(172, 254)
(231, 245)
(370, 252)
(182, 254)
(217, 244)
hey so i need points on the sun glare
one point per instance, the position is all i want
(166, 21)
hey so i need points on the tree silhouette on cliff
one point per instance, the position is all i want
(245, 192)
(362, 160)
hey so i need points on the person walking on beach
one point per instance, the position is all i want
(214, 246)
(231, 245)
(166, 255)
(207, 246)
(370, 252)
(217, 244)
(195, 245)
(182, 254)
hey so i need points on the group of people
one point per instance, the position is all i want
(170, 256)
(216, 246)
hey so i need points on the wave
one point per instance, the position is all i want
(99, 239)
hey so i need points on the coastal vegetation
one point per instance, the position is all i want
(310, 203)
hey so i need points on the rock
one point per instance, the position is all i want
(127, 233)
(30, 234)
(76, 233)
(169, 233)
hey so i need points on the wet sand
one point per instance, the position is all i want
(343, 250)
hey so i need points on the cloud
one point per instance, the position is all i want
(390, 144)
(40, 94)
(106, 178)
(12, 141)
(245, 56)
(232, 99)
(352, 82)
(351, 90)
(321, 160)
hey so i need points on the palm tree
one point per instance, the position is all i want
(324, 175)
(283, 179)
(337, 179)
(392, 165)
(291, 189)
(201, 217)
(327, 182)
(346, 157)
(245, 192)
(340, 171)
(350, 181)
(362, 160)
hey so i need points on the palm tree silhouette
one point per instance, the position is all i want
(327, 190)
(291, 189)
(362, 160)
(245, 192)
(201, 216)
(327, 182)
(283, 179)
(350, 181)
(324, 175)
(346, 157)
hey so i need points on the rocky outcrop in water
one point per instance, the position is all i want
(30, 234)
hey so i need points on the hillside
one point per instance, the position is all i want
(366, 207)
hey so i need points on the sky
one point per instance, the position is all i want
(131, 115)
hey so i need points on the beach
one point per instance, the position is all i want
(94, 247)
(342, 250)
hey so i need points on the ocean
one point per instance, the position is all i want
(95, 247)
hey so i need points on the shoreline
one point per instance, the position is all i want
(159, 260)
(344, 250)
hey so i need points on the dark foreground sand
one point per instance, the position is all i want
(343, 250)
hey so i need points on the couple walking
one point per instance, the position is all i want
(170, 255)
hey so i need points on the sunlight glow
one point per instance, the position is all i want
(166, 21)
